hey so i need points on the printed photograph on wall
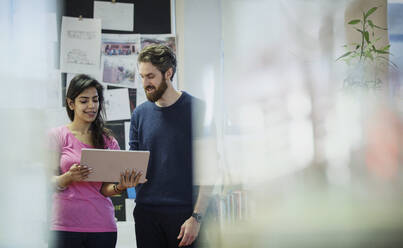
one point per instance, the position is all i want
(119, 48)
(119, 71)
(168, 40)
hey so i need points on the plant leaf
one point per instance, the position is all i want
(371, 23)
(359, 30)
(366, 35)
(358, 46)
(381, 52)
(356, 21)
(380, 27)
(370, 12)
(386, 48)
(344, 55)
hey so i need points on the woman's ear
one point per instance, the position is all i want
(70, 103)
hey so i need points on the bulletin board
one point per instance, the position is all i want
(150, 16)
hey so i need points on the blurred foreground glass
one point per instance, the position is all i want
(28, 100)
(302, 161)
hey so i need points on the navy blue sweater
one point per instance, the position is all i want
(167, 133)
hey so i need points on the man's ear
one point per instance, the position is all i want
(168, 74)
(70, 103)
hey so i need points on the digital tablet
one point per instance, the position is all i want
(108, 164)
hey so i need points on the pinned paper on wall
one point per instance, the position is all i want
(80, 45)
(117, 104)
(115, 16)
(119, 56)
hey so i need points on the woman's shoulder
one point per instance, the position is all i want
(58, 131)
(57, 136)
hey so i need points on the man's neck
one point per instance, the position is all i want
(170, 96)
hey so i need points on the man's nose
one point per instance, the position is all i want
(146, 82)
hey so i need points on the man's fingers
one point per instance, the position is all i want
(122, 178)
(185, 239)
(137, 179)
(181, 232)
(192, 239)
(132, 176)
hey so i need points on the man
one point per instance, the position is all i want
(165, 213)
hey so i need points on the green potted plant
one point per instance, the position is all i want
(366, 60)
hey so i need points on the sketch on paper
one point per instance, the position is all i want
(117, 106)
(80, 45)
(81, 35)
(77, 56)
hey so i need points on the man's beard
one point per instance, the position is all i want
(158, 92)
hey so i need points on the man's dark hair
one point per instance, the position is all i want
(160, 56)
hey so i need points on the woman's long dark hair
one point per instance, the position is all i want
(98, 130)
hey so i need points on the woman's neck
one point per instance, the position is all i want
(82, 128)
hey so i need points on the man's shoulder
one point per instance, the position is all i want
(192, 99)
(143, 107)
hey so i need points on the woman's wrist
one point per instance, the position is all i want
(117, 189)
(59, 185)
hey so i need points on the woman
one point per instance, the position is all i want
(83, 214)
